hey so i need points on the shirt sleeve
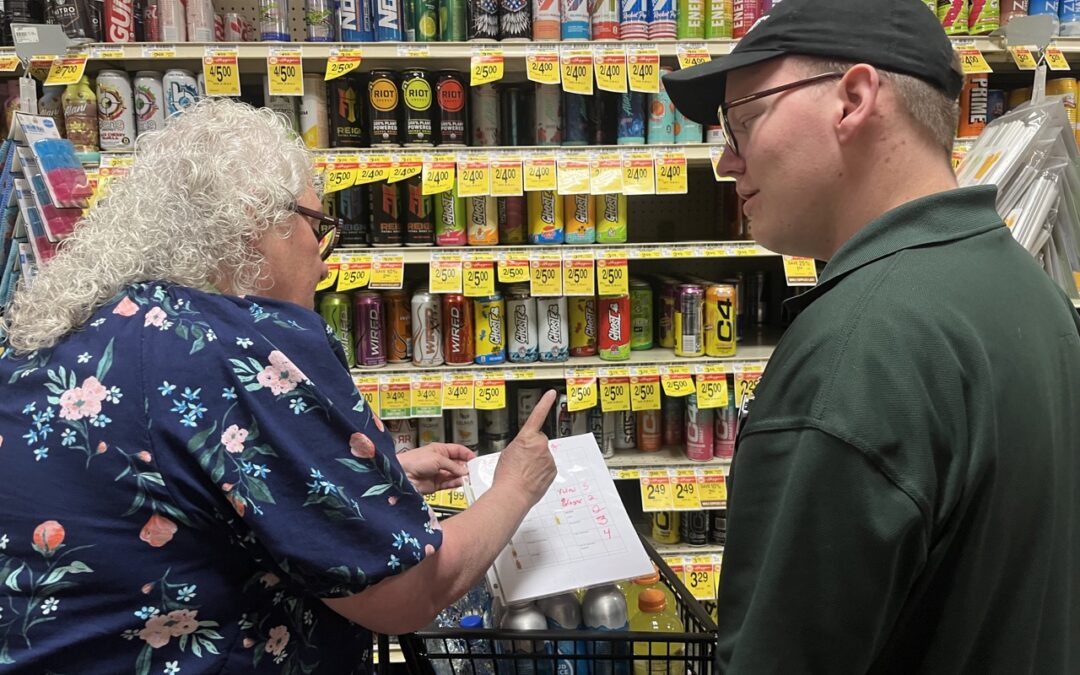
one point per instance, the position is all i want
(260, 429)
(822, 549)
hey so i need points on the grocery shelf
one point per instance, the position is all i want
(680, 549)
(628, 464)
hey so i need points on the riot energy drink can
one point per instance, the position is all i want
(482, 223)
(515, 20)
(457, 313)
(417, 94)
(346, 112)
(689, 321)
(545, 217)
(552, 330)
(334, 308)
(699, 431)
(398, 327)
(580, 213)
(419, 213)
(522, 340)
(614, 332)
(427, 335)
(720, 320)
(482, 20)
(385, 215)
(511, 217)
(450, 99)
(583, 326)
(383, 97)
(641, 315)
(370, 330)
(450, 228)
(611, 219)
(490, 325)
(485, 115)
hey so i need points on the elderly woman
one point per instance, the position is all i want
(190, 481)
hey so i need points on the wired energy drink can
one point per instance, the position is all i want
(458, 335)
(427, 334)
(370, 330)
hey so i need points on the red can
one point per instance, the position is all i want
(398, 327)
(219, 28)
(746, 13)
(234, 27)
(151, 21)
(120, 20)
(613, 338)
(457, 313)
(511, 212)
(650, 435)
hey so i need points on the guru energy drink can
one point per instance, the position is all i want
(489, 321)
(583, 326)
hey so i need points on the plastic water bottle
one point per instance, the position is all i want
(474, 663)
(604, 608)
(563, 612)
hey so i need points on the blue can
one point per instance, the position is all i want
(355, 21)
(687, 130)
(1036, 7)
(661, 127)
(388, 21)
(996, 101)
(662, 20)
(631, 119)
(575, 20)
(1069, 13)
(634, 19)
(576, 119)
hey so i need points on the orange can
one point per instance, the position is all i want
(974, 105)
(398, 327)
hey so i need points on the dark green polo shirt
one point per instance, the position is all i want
(906, 486)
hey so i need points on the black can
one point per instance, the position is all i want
(347, 128)
(695, 528)
(353, 207)
(385, 215)
(384, 108)
(418, 96)
(511, 112)
(481, 20)
(604, 118)
(718, 527)
(515, 20)
(419, 213)
(451, 100)
(576, 118)
(79, 19)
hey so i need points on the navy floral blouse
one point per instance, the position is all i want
(181, 481)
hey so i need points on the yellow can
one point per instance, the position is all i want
(1067, 87)
(582, 325)
(483, 221)
(489, 329)
(580, 213)
(720, 311)
(665, 527)
(611, 219)
(546, 220)
(1019, 96)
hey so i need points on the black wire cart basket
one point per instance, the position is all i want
(490, 651)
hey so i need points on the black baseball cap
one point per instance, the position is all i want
(901, 36)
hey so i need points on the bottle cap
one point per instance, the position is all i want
(652, 600)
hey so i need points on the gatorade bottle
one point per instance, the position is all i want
(644, 583)
(654, 616)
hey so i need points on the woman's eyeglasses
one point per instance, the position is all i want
(327, 229)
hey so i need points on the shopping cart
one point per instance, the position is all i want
(460, 651)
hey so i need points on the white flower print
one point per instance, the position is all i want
(279, 639)
(84, 357)
(243, 342)
(308, 617)
(146, 612)
(97, 322)
(3, 542)
(211, 336)
(50, 605)
(171, 667)
(186, 594)
(40, 454)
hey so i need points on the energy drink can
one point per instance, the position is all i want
(545, 217)
(631, 124)
(450, 227)
(527, 399)
(669, 299)
(431, 430)
(383, 96)
(604, 118)
(718, 527)
(605, 19)
(641, 315)
(319, 20)
(661, 126)
(984, 16)
(511, 112)
(974, 105)
(172, 22)
(522, 340)
(416, 91)
(346, 112)
(689, 329)
(745, 14)
(450, 97)
(515, 20)
(353, 208)
(334, 308)
(398, 327)
(495, 422)
(81, 21)
(611, 219)
(465, 427)
(385, 215)
(625, 430)
(547, 106)
(954, 16)
(482, 20)
(582, 326)
(419, 213)
(699, 431)
(695, 528)
(691, 19)
(427, 329)
(718, 19)
(287, 106)
(356, 22)
(724, 425)
(662, 19)
(405, 434)
(314, 120)
(614, 331)
(995, 106)
(458, 336)
(756, 295)
(672, 414)
(576, 116)
(687, 131)
(370, 330)
(483, 227)
(1067, 87)
(552, 331)
(634, 20)
(575, 20)
(116, 111)
(579, 423)
(452, 20)
(580, 211)
(547, 20)
(562, 425)
(388, 21)
(489, 317)
(425, 20)
(665, 527)
(485, 115)
(720, 312)
(273, 21)
(650, 436)
(602, 427)
(511, 216)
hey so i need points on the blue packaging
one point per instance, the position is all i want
(576, 119)
(388, 21)
(662, 19)
(575, 20)
(661, 129)
(631, 119)
(634, 19)
(355, 21)
(1069, 13)
(1036, 7)
(687, 130)
(996, 100)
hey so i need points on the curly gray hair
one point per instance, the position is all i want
(200, 193)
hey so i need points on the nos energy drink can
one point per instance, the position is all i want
(388, 16)
(490, 325)
(355, 21)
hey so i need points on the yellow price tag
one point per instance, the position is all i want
(155, 51)
(671, 176)
(285, 72)
(9, 61)
(427, 396)
(614, 394)
(607, 174)
(610, 67)
(479, 273)
(369, 389)
(746, 381)
(66, 70)
(692, 55)
(457, 392)
(545, 274)
(542, 65)
(438, 175)
(395, 395)
(700, 578)
(676, 381)
(506, 177)
(331, 278)
(540, 173)
(486, 66)
(713, 489)
(712, 391)
(1056, 59)
(455, 499)
(575, 175)
(444, 273)
(656, 492)
(800, 271)
(972, 61)
(579, 277)
(645, 389)
(387, 271)
(577, 71)
(221, 72)
(340, 176)
(1024, 57)
(613, 277)
(490, 394)
(644, 70)
(404, 168)
(687, 497)
(639, 174)
(580, 393)
(716, 153)
(375, 168)
(474, 177)
(342, 61)
(354, 272)
(513, 269)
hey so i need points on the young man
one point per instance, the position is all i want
(906, 488)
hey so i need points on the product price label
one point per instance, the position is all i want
(373, 168)
(746, 380)
(387, 271)
(644, 70)
(414, 51)
(691, 55)
(712, 391)
(66, 70)
(474, 177)
(645, 389)
(342, 61)
(369, 388)
(607, 174)
(800, 271)
(404, 167)
(332, 263)
(340, 175)
(716, 153)
(221, 72)
(575, 175)
(490, 394)
(427, 396)
(676, 380)
(615, 393)
(155, 51)
(9, 61)
(700, 578)
(506, 177)
(639, 173)
(285, 71)
(457, 391)
(972, 61)
(444, 273)
(540, 173)
(449, 499)
(1024, 56)
(513, 268)
(656, 492)
(613, 277)
(579, 278)
(395, 394)
(542, 65)
(577, 71)
(438, 175)
(713, 489)
(479, 269)
(354, 272)
(486, 66)
(687, 496)
(545, 274)
(107, 52)
(1056, 59)
(671, 173)
(610, 67)
(580, 393)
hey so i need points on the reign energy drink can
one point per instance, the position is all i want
(419, 213)
(385, 215)
(346, 112)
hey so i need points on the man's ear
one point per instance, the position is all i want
(858, 91)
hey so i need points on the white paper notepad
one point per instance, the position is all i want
(578, 535)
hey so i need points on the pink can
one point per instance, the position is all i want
(173, 21)
(746, 13)
(234, 28)
(724, 425)
(699, 431)
(219, 28)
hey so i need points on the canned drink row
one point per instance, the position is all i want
(694, 528)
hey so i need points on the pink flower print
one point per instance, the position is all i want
(102, 447)
(282, 375)
(233, 439)
(156, 631)
(145, 456)
(181, 622)
(429, 549)
(279, 638)
(361, 446)
(378, 422)
(155, 317)
(158, 531)
(93, 389)
(1, 441)
(126, 308)
(75, 404)
(269, 580)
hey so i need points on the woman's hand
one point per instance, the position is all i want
(436, 466)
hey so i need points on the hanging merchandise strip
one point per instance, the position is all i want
(342, 61)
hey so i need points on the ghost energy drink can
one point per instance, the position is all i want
(489, 325)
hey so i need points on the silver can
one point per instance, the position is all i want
(604, 608)
(314, 119)
(404, 434)
(149, 102)
(485, 115)
(465, 427)
(602, 427)
(562, 425)
(526, 401)
(563, 612)
(181, 91)
(522, 344)
(427, 329)
(579, 422)
(625, 430)
(553, 330)
(495, 422)
(288, 106)
(116, 111)
(548, 114)
(523, 616)
(432, 430)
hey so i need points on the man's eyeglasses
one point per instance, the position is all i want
(327, 229)
(722, 111)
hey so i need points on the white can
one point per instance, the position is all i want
(116, 110)
(552, 329)
(522, 345)
(282, 105)
(432, 430)
(485, 115)
(149, 101)
(181, 91)
(173, 21)
(314, 124)
(548, 114)
(200, 20)
(200, 85)
(404, 434)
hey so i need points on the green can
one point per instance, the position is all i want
(690, 20)
(450, 227)
(719, 19)
(426, 20)
(641, 315)
(451, 20)
(335, 310)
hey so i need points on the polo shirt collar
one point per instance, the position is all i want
(935, 219)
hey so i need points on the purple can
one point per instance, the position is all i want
(370, 330)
